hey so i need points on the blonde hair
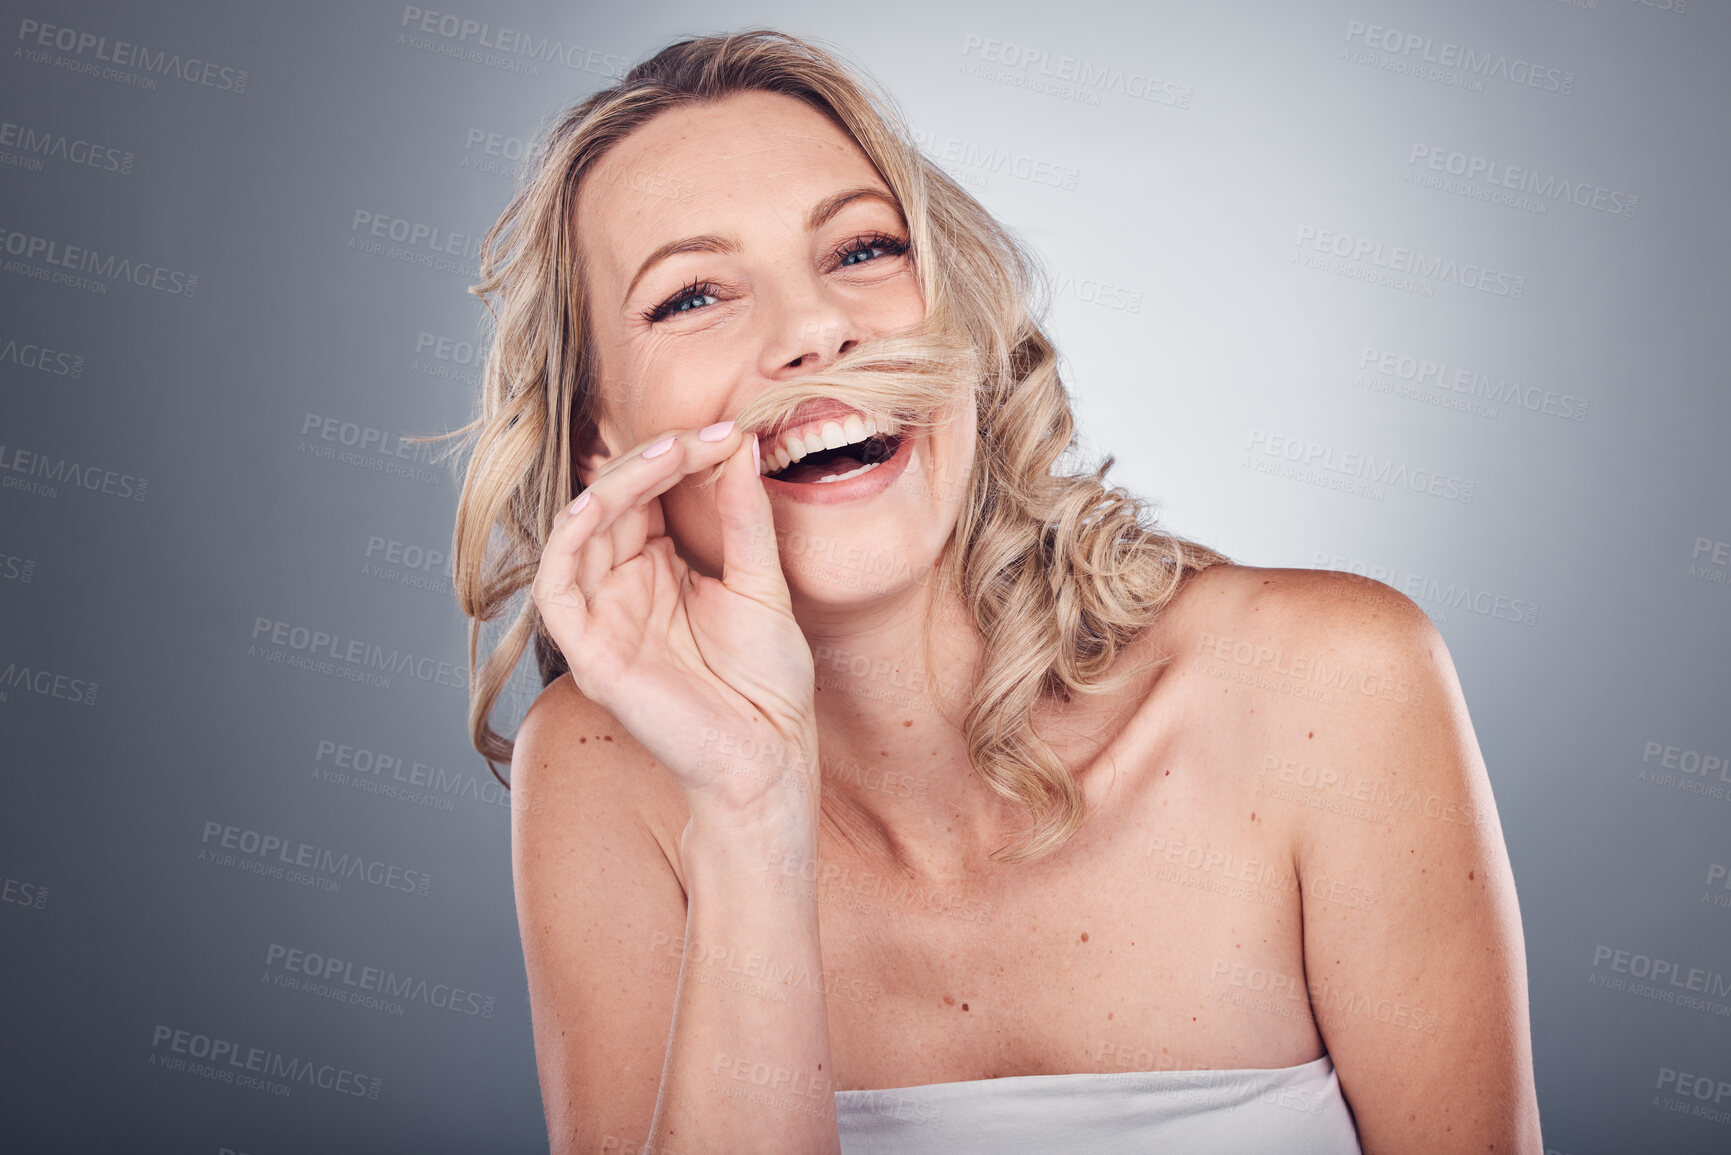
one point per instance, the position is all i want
(1059, 572)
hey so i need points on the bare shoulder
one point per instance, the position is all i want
(1311, 636)
(1349, 683)
(573, 763)
(601, 914)
(1414, 960)
(1342, 607)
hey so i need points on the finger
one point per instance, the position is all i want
(750, 555)
(669, 577)
(560, 603)
(702, 448)
(629, 481)
(616, 544)
(635, 526)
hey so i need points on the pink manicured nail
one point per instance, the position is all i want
(576, 507)
(659, 447)
(756, 456)
(715, 432)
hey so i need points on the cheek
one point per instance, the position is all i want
(960, 444)
(897, 306)
(676, 384)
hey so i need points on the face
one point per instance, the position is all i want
(731, 246)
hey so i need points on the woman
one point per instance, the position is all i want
(892, 789)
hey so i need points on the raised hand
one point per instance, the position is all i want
(712, 676)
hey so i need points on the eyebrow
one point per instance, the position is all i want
(821, 214)
(829, 206)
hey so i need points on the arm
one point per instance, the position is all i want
(624, 1014)
(1421, 999)
(679, 763)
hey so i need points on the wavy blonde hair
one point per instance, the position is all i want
(1058, 571)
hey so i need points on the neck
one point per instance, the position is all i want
(893, 687)
(893, 684)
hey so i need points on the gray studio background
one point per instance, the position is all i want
(1432, 291)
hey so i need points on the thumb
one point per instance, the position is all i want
(750, 553)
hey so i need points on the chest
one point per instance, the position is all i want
(1167, 935)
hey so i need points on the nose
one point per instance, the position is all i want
(809, 329)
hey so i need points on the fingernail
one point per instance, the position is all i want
(715, 432)
(659, 447)
(756, 456)
(576, 507)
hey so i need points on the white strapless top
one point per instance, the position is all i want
(1285, 1110)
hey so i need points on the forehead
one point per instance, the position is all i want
(754, 159)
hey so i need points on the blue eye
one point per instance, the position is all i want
(863, 249)
(687, 303)
(687, 300)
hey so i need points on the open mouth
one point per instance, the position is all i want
(821, 452)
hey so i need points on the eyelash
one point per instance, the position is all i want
(892, 246)
(671, 305)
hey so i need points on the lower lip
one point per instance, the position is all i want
(867, 484)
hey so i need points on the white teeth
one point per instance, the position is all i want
(830, 435)
(849, 473)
